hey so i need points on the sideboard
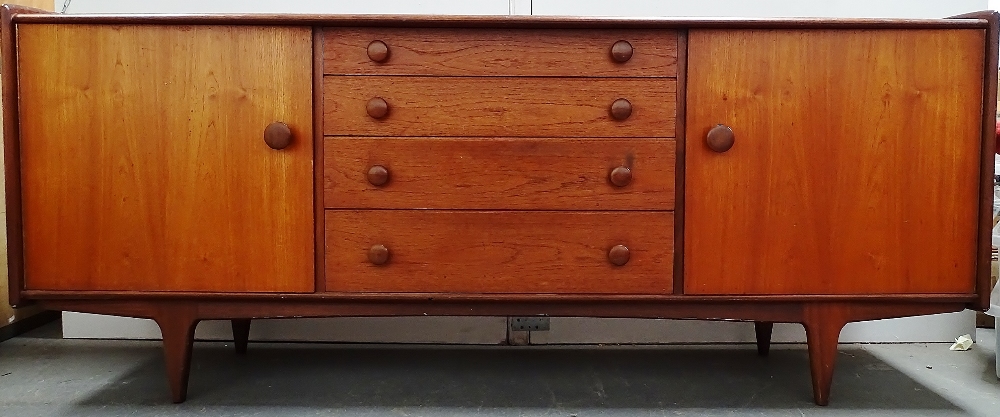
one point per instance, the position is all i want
(192, 167)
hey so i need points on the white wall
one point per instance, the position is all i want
(467, 7)
(490, 330)
(718, 8)
(760, 8)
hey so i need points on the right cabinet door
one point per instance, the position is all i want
(855, 165)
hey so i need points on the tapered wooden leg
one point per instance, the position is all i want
(823, 325)
(763, 330)
(178, 338)
(241, 334)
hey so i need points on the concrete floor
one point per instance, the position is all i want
(43, 375)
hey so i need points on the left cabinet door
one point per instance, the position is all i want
(143, 160)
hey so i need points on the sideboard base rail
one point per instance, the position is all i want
(823, 320)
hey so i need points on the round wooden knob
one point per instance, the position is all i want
(277, 135)
(621, 51)
(720, 138)
(378, 254)
(377, 108)
(378, 51)
(378, 175)
(618, 255)
(621, 109)
(620, 176)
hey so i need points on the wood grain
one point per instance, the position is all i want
(13, 283)
(338, 297)
(498, 106)
(499, 252)
(855, 167)
(476, 173)
(501, 22)
(143, 160)
(319, 227)
(499, 52)
(372, 304)
(823, 324)
(177, 327)
(681, 138)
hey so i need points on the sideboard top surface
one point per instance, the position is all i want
(26, 15)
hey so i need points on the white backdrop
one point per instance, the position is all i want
(721, 8)
(760, 8)
(491, 330)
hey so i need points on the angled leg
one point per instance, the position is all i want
(763, 330)
(241, 334)
(823, 325)
(178, 338)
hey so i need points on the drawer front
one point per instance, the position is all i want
(514, 173)
(500, 52)
(498, 106)
(503, 252)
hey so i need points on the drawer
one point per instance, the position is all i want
(500, 52)
(501, 106)
(511, 173)
(499, 251)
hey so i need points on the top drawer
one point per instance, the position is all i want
(500, 52)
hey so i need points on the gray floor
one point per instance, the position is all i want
(42, 375)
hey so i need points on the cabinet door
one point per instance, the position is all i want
(855, 167)
(143, 161)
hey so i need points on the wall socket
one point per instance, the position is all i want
(529, 324)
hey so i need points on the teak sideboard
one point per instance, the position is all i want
(184, 168)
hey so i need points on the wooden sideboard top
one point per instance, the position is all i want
(30, 15)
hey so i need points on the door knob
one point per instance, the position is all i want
(377, 108)
(621, 51)
(378, 254)
(378, 175)
(619, 255)
(620, 176)
(378, 51)
(720, 138)
(621, 109)
(277, 135)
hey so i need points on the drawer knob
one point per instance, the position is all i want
(621, 51)
(618, 255)
(378, 175)
(378, 51)
(720, 138)
(620, 176)
(378, 254)
(377, 108)
(277, 135)
(621, 109)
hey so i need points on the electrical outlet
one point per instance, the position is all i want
(529, 324)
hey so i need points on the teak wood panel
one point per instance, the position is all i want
(500, 52)
(143, 160)
(499, 251)
(507, 173)
(855, 168)
(502, 21)
(499, 106)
